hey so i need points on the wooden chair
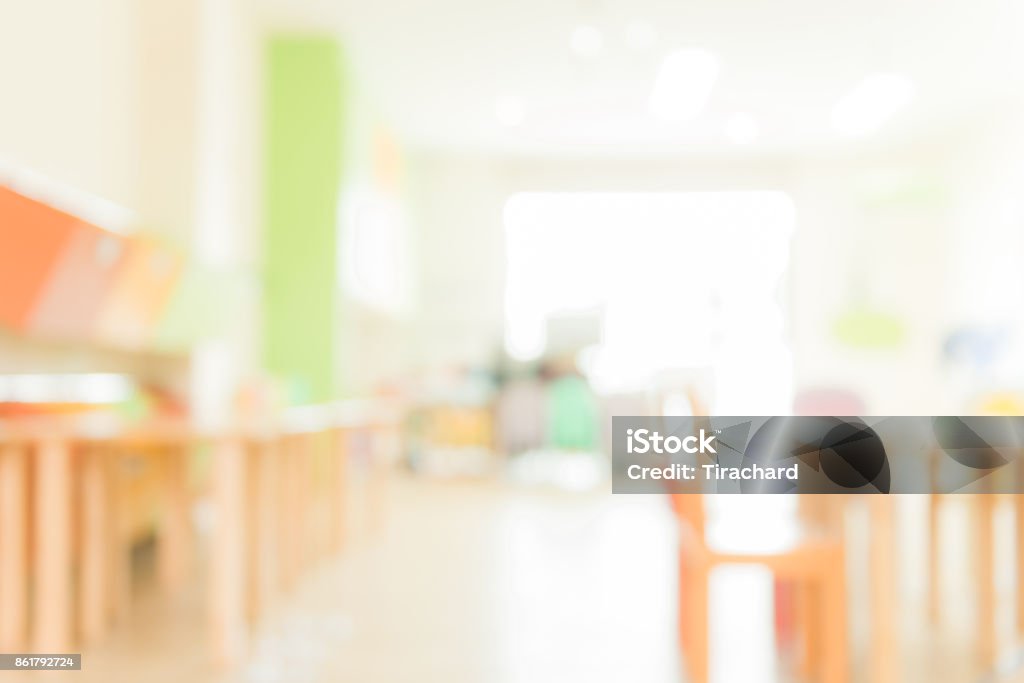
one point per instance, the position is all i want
(815, 565)
(983, 511)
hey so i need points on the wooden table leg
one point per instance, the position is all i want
(304, 503)
(119, 586)
(253, 531)
(884, 646)
(14, 522)
(289, 542)
(322, 474)
(379, 445)
(175, 537)
(51, 613)
(226, 592)
(1018, 507)
(264, 532)
(304, 519)
(985, 580)
(94, 580)
(934, 564)
(339, 488)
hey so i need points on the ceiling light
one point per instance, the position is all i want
(509, 110)
(587, 41)
(684, 83)
(741, 128)
(872, 103)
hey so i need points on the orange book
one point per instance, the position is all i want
(32, 239)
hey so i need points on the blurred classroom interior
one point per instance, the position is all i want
(314, 315)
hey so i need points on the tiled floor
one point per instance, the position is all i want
(489, 583)
(478, 583)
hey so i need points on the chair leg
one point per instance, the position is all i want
(833, 618)
(884, 646)
(810, 607)
(787, 617)
(683, 602)
(696, 613)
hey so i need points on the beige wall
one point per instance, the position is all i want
(154, 106)
(70, 85)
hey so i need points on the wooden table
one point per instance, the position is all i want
(259, 486)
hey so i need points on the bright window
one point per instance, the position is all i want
(679, 280)
(374, 251)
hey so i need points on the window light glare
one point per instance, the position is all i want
(87, 388)
(640, 35)
(509, 110)
(871, 104)
(742, 128)
(587, 41)
(684, 83)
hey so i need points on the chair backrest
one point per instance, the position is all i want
(823, 514)
(824, 401)
(689, 511)
(998, 403)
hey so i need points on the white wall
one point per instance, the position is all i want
(455, 207)
(69, 93)
(854, 248)
(894, 257)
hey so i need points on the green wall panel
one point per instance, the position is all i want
(305, 93)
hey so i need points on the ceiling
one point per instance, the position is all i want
(438, 70)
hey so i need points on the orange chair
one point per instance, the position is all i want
(815, 565)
